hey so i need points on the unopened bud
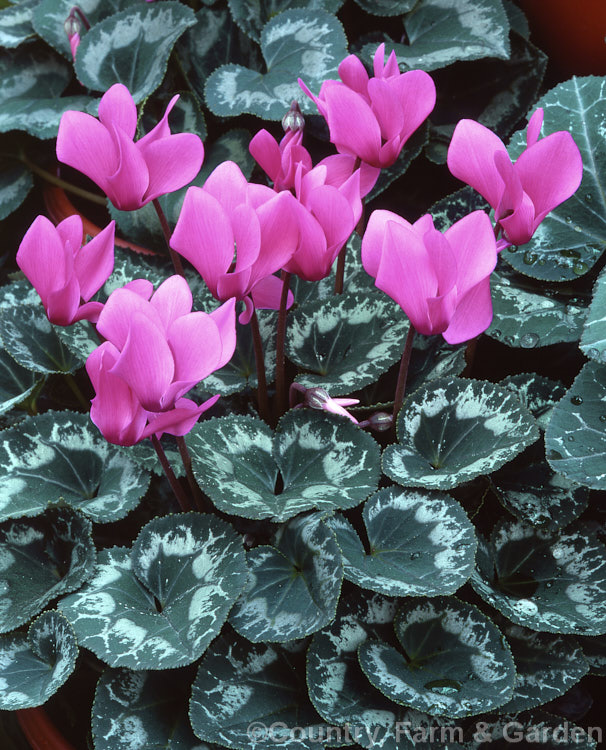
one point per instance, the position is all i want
(316, 398)
(380, 421)
(72, 25)
(293, 119)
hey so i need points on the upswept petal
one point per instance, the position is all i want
(195, 342)
(161, 129)
(350, 190)
(117, 108)
(390, 151)
(266, 294)
(171, 300)
(372, 241)
(62, 304)
(142, 287)
(353, 74)
(391, 68)
(378, 61)
(146, 363)
(94, 262)
(227, 185)
(86, 145)
(335, 215)
(417, 92)
(319, 104)
(387, 106)
(550, 172)
(89, 311)
(473, 314)
(266, 152)
(534, 127)
(247, 236)
(512, 190)
(406, 275)
(309, 261)
(128, 184)
(441, 309)
(203, 236)
(121, 307)
(172, 163)
(353, 126)
(235, 284)
(471, 159)
(519, 226)
(178, 421)
(340, 167)
(279, 235)
(42, 258)
(225, 319)
(71, 233)
(473, 243)
(442, 260)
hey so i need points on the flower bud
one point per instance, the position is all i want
(316, 398)
(72, 25)
(293, 119)
(380, 421)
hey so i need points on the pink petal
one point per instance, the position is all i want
(74, 43)
(473, 314)
(203, 236)
(471, 159)
(94, 262)
(247, 236)
(417, 93)
(71, 233)
(172, 300)
(512, 192)
(379, 61)
(519, 226)
(178, 421)
(227, 185)
(121, 307)
(387, 107)
(225, 319)
(142, 287)
(391, 68)
(117, 108)
(62, 304)
(266, 294)
(265, 151)
(235, 284)
(353, 74)
(42, 258)
(372, 241)
(161, 130)
(127, 185)
(550, 172)
(90, 311)
(172, 163)
(335, 215)
(473, 243)
(310, 260)
(442, 260)
(146, 363)
(86, 145)
(319, 104)
(353, 126)
(441, 310)
(195, 342)
(534, 127)
(279, 235)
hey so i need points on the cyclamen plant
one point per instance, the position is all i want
(298, 497)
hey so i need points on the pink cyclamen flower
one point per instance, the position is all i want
(163, 348)
(65, 272)
(545, 174)
(441, 281)
(372, 118)
(237, 235)
(280, 161)
(131, 174)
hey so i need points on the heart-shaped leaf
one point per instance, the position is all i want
(321, 461)
(433, 358)
(161, 604)
(33, 667)
(546, 665)
(293, 588)
(308, 44)
(60, 457)
(261, 691)
(538, 394)
(547, 581)
(386, 7)
(453, 430)
(439, 35)
(106, 52)
(42, 558)
(15, 184)
(594, 651)
(141, 711)
(252, 15)
(16, 23)
(593, 340)
(420, 543)
(454, 661)
(575, 439)
(569, 242)
(346, 342)
(16, 383)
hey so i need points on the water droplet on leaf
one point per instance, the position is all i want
(530, 258)
(579, 268)
(576, 400)
(415, 555)
(529, 340)
(443, 687)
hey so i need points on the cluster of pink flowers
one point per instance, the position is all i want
(239, 234)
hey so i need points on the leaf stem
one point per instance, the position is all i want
(74, 388)
(54, 180)
(260, 363)
(280, 342)
(403, 373)
(193, 485)
(170, 475)
(176, 259)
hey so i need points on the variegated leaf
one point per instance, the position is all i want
(105, 55)
(440, 33)
(572, 238)
(575, 439)
(61, 458)
(593, 339)
(161, 604)
(536, 727)
(16, 383)
(293, 588)
(453, 660)
(323, 462)
(32, 72)
(419, 543)
(33, 667)
(295, 43)
(251, 696)
(16, 23)
(386, 7)
(538, 394)
(347, 342)
(453, 430)
(142, 711)
(15, 184)
(41, 559)
(252, 15)
(553, 582)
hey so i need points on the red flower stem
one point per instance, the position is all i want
(39, 731)
(175, 257)
(280, 341)
(403, 373)
(260, 362)
(170, 475)
(193, 485)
